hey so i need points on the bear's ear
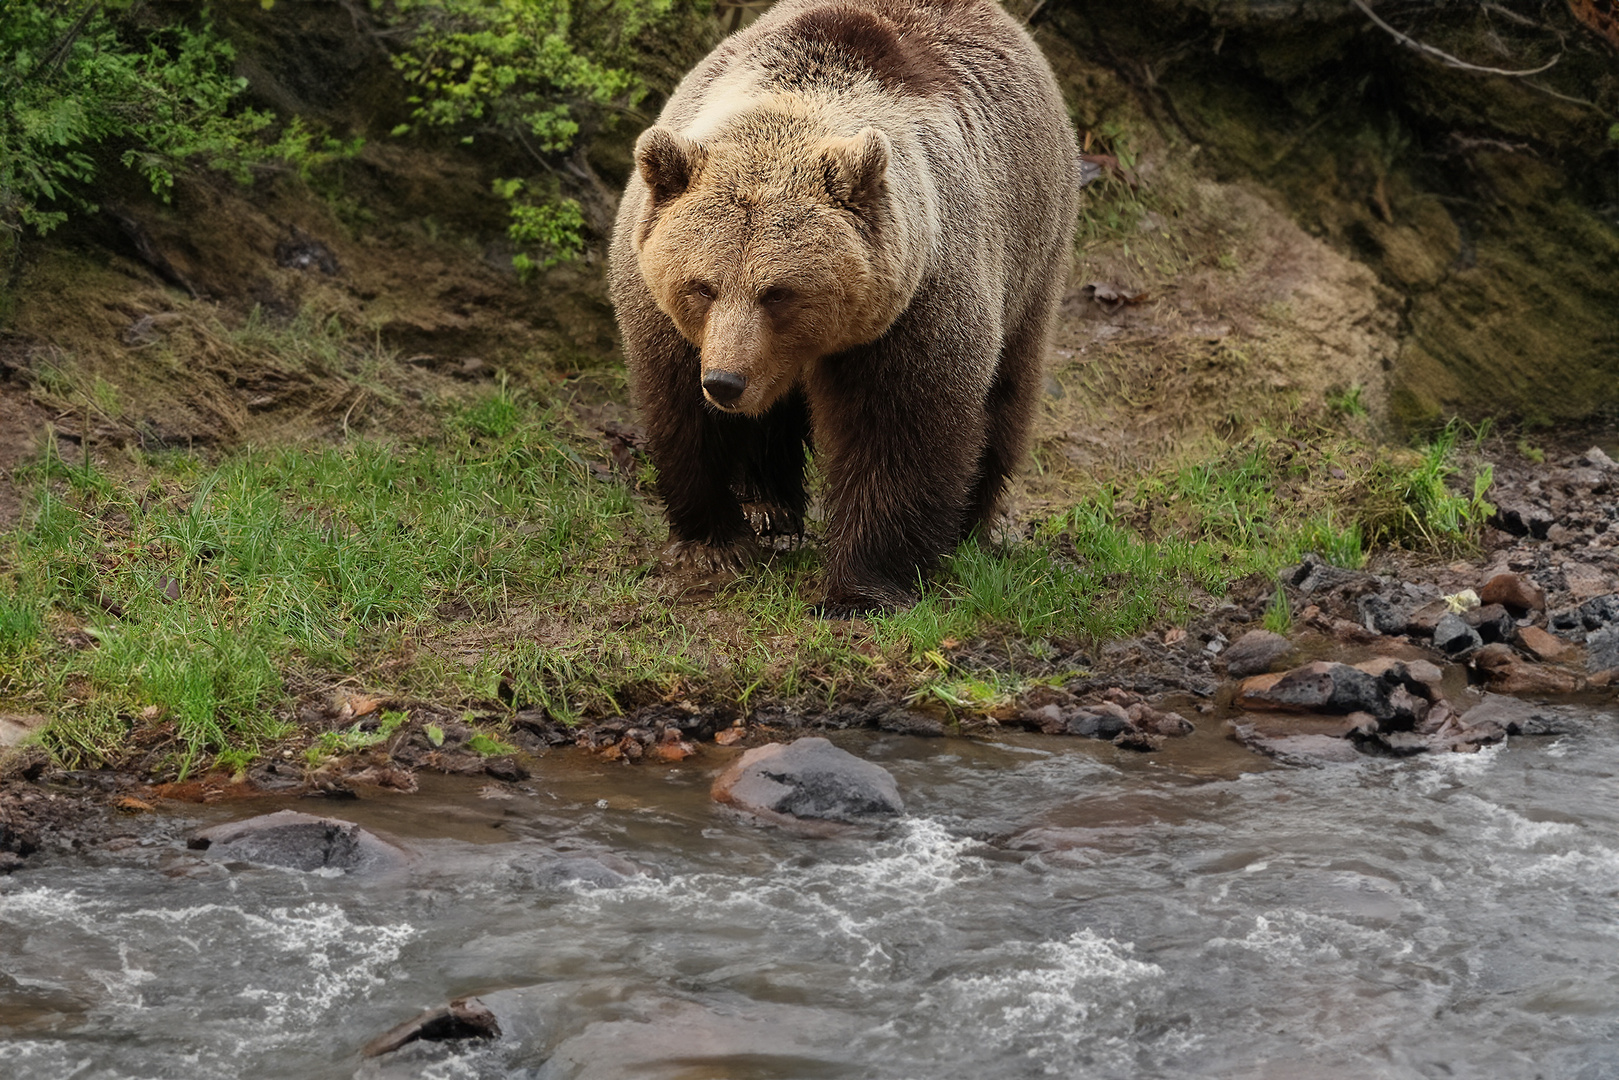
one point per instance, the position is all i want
(856, 167)
(668, 162)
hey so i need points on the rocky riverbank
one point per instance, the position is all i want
(1406, 657)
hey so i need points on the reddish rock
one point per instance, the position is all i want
(1423, 620)
(463, 1018)
(1321, 686)
(1508, 673)
(1145, 718)
(1544, 646)
(678, 750)
(1514, 592)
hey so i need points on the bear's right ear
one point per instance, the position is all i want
(857, 166)
(667, 161)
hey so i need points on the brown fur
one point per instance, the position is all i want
(856, 216)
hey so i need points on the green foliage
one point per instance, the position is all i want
(21, 622)
(354, 738)
(1425, 509)
(489, 746)
(556, 230)
(1348, 402)
(82, 86)
(542, 76)
(1278, 613)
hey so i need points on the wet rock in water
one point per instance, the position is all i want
(1421, 677)
(1144, 718)
(1514, 592)
(906, 722)
(463, 1018)
(298, 842)
(1508, 673)
(506, 768)
(1322, 686)
(1492, 623)
(1103, 720)
(552, 870)
(1541, 645)
(1453, 637)
(277, 776)
(809, 778)
(1299, 739)
(1254, 653)
(1140, 741)
(1602, 649)
(1512, 715)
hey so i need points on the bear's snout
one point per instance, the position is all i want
(723, 388)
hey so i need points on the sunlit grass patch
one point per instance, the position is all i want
(203, 584)
(1413, 502)
(503, 566)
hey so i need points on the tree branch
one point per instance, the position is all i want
(1444, 57)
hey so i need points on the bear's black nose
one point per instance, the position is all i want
(724, 386)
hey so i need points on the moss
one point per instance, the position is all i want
(1476, 200)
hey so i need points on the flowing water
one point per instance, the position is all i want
(1046, 908)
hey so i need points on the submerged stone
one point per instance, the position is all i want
(809, 778)
(297, 841)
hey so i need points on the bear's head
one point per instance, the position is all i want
(769, 245)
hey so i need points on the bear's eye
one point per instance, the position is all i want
(776, 295)
(704, 289)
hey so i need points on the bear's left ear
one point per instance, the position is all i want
(668, 161)
(857, 166)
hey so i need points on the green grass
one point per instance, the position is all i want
(177, 601)
(203, 584)
(1420, 508)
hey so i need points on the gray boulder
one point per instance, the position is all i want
(1454, 637)
(809, 778)
(298, 842)
(1254, 653)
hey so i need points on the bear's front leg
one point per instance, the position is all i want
(899, 441)
(696, 451)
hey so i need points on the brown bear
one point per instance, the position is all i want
(849, 230)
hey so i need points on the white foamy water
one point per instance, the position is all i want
(1068, 912)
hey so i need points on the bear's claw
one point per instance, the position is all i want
(769, 520)
(690, 555)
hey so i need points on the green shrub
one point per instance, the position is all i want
(86, 86)
(544, 77)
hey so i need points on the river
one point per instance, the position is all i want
(1046, 908)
